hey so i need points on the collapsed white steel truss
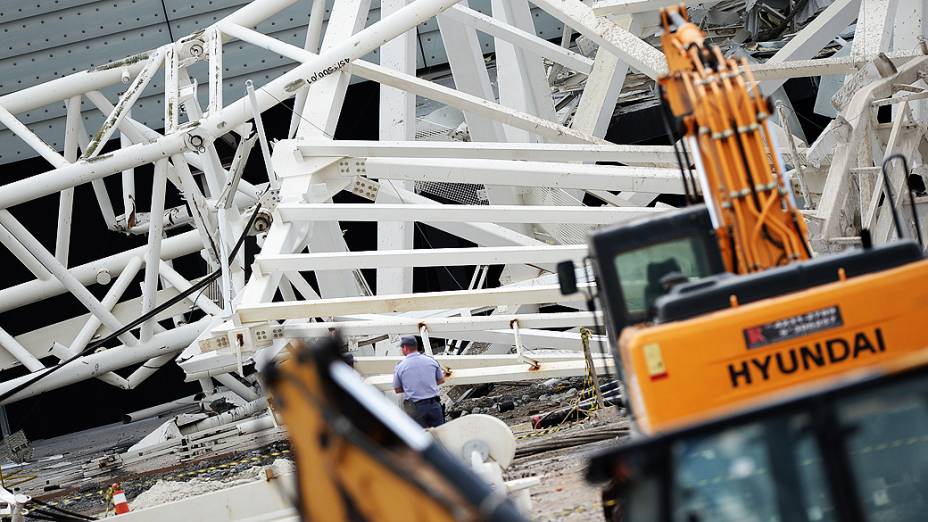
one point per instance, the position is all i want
(535, 161)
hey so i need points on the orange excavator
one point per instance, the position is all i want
(734, 343)
(360, 458)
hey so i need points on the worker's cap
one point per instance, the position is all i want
(408, 340)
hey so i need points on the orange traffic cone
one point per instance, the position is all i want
(121, 505)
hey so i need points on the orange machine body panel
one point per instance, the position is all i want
(690, 370)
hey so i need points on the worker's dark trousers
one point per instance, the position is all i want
(428, 412)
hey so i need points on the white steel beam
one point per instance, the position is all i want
(301, 285)
(440, 326)
(418, 258)
(520, 75)
(236, 386)
(460, 99)
(531, 339)
(129, 206)
(527, 174)
(311, 44)
(638, 155)
(812, 38)
(63, 275)
(91, 365)
(153, 254)
(181, 284)
(823, 66)
(465, 57)
(481, 234)
(602, 89)
(147, 369)
(516, 372)
(214, 42)
(320, 117)
(401, 303)
(373, 365)
(66, 198)
(397, 122)
(37, 289)
(64, 332)
(85, 171)
(462, 213)
(874, 30)
(624, 7)
(831, 209)
(282, 237)
(19, 352)
(319, 120)
(31, 139)
(92, 325)
(521, 38)
(124, 105)
(24, 256)
(607, 34)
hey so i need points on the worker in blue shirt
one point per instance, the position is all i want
(417, 377)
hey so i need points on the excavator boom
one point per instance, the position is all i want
(725, 120)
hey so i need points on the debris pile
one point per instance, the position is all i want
(164, 491)
(540, 402)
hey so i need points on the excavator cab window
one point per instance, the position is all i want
(638, 262)
(852, 452)
(887, 444)
(767, 470)
(649, 272)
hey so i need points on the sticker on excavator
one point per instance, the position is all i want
(654, 361)
(792, 327)
(807, 357)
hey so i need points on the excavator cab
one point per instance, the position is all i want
(683, 326)
(852, 452)
(638, 262)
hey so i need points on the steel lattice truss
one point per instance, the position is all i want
(534, 162)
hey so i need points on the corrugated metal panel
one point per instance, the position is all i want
(41, 40)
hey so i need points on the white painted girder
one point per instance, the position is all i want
(462, 213)
(371, 365)
(397, 122)
(417, 258)
(533, 339)
(874, 29)
(36, 290)
(835, 65)
(39, 340)
(524, 39)
(627, 46)
(624, 7)
(441, 326)
(526, 174)
(515, 372)
(481, 234)
(98, 363)
(385, 304)
(813, 37)
(637, 155)
(469, 103)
